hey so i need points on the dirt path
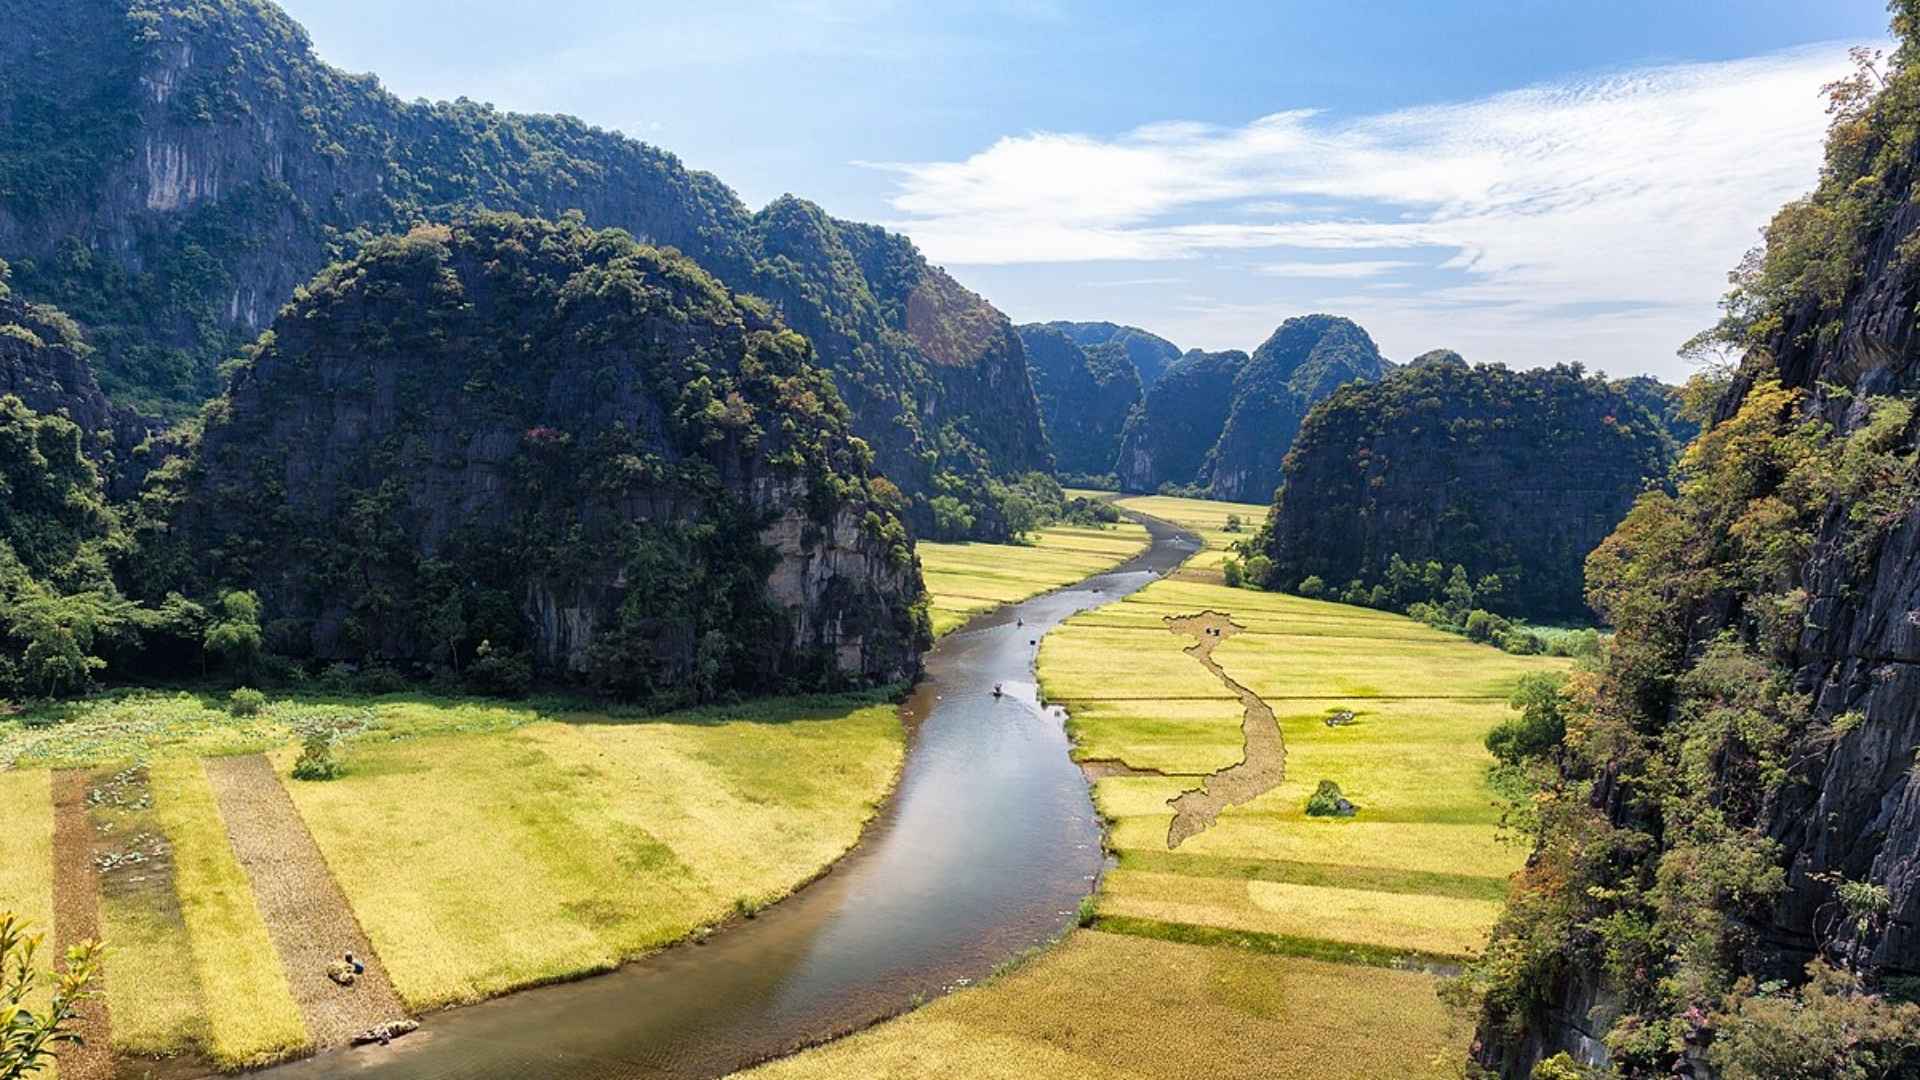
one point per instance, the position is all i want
(1263, 764)
(76, 918)
(306, 914)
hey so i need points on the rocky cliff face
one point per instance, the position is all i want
(171, 171)
(1150, 354)
(1518, 474)
(1166, 440)
(559, 443)
(1085, 397)
(1790, 554)
(1304, 360)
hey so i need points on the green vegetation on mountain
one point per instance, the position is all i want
(1724, 872)
(1085, 397)
(1304, 361)
(1167, 438)
(511, 442)
(172, 170)
(1150, 354)
(1445, 479)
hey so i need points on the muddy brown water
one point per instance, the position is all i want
(985, 849)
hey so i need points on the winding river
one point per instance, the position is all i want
(985, 849)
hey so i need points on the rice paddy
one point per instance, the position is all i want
(1208, 519)
(966, 579)
(604, 839)
(1104, 1006)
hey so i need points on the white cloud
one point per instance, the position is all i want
(1633, 193)
(1332, 270)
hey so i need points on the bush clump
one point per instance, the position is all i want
(246, 701)
(1327, 801)
(317, 760)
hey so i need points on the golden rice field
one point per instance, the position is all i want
(966, 579)
(603, 838)
(1205, 517)
(1104, 1006)
(1413, 762)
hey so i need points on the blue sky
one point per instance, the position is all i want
(1527, 182)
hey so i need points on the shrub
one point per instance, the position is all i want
(245, 701)
(1485, 625)
(1235, 577)
(1827, 1028)
(1520, 642)
(28, 1038)
(1313, 588)
(1327, 801)
(1541, 725)
(500, 672)
(380, 679)
(1234, 524)
(317, 761)
(1260, 571)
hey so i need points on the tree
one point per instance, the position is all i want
(1234, 524)
(235, 637)
(1313, 587)
(27, 1037)
(951, 517)
(1541, 725)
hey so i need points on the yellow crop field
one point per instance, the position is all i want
(966, 579)
(1105, 1006)
(603, 838)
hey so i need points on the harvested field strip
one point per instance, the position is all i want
(26, 860)
(304, 911)
(251, 1016)
(1314, 948)
(1051, 699)
(76, 918)
(1376, 879)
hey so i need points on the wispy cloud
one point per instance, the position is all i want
(1332, 270)
(1638, 190)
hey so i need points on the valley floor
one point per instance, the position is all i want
(1269, 944)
